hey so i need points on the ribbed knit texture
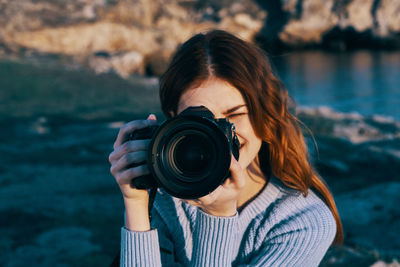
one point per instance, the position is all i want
(278, 228)
(140, 248)
(207, 246)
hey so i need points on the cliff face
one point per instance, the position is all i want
(122, 36)
(337, 24)
(138, 36)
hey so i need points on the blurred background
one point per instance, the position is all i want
(72, 72)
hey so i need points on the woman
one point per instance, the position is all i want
(274, 210)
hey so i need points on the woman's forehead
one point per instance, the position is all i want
(217, 95)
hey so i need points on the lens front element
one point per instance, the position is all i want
(193, 153)
(190, 156)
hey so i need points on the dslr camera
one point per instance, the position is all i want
(189, 155)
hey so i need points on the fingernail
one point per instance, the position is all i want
(152, 117)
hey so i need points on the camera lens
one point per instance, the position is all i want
(189, 156)
(192, 153)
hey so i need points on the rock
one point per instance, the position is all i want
(335, 23)
(157, 62)
(40, 126)
(47, 249)
(133, 32)
(387, 18)
(315, 19)
(332, 24)
(384, 264)
(123, 64)
(80, 28)
(350, 149)
(358, 129)
(76, 241)
(27, 15)
(361, 209)
(128, 63)
(86, 39)
(359, 16)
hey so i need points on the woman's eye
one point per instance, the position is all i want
(236, 115)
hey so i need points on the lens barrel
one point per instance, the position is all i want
(189, 156)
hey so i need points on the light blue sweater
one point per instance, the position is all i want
(278, 228)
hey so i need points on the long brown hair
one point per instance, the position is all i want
(245, 66)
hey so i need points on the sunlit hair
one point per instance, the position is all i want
(245, 66)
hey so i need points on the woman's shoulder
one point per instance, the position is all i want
(290, 226)
(294, 211)
(293, 200)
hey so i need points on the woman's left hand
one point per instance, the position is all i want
(223, 200)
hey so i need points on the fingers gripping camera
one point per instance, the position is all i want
(189, 155)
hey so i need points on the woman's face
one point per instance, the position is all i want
(225, 101)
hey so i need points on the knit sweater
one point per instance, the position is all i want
(280, 227)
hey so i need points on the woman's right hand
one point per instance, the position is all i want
(127, 152)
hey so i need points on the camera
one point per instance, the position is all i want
(189, 155)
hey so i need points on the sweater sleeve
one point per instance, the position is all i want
(139, 248)
(213, 242)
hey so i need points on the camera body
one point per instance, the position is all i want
(190, 154)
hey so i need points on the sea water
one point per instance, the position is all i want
(366, 82)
